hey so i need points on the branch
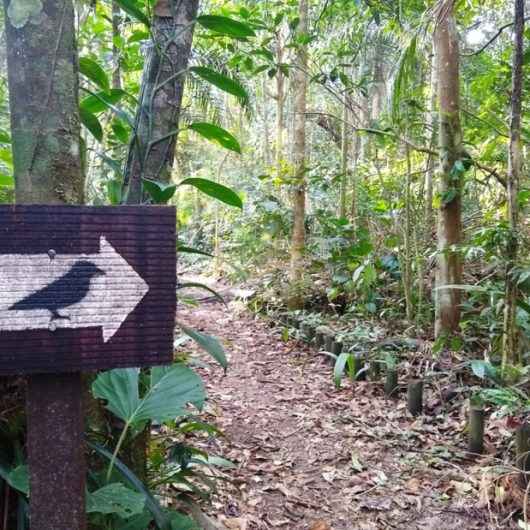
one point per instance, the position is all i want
(499, 31)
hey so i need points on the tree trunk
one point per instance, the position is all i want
(280, 107)
(43, 98)
(116, 62)
(152, 147)
(449, 268)
(299, 161)
(45, 128)
(433, 123)
(345, 147)
(510, 337)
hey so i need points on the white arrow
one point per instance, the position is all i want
(67, 291)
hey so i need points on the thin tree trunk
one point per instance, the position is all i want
(407, 242)
(510, 336)
(116, 61)
(280, 108)
(152, 147)
(449, 270)
(299, 161)
(433, 122)
(266, 134)
(345, 149)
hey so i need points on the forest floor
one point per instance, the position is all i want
(309, 456)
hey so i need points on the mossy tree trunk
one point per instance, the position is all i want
(152, 147)
(44, 104)
(45, 129)
(510, 338)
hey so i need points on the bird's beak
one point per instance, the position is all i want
(100, 273)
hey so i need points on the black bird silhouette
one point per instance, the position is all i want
(68, 290)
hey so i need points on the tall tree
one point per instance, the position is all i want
(510, 336)
(152, 147)
(449, 268)
(299, 155)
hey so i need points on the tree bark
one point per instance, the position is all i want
(44, 103)
(510, 333)
(45, 128)
(152, 147)
(449, 269)
(299, 161)
(345, 148)
(280, 107)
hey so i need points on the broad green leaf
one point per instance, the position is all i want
(221, 81)
(215, 190)
(164, 400)
(4, 137)
(91, 122)
(216, 134)
(115, 499)
(101, 101)
(132, 7)
(17, 478)
(93, 71)
(114, 191)
(160, 192)
(6, 156)
(120, 131)
(226, 26)
(208, 343)
(7, 180)
(151, 503)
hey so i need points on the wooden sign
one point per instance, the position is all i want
(85, 288)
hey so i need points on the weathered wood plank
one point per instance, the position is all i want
(86, 288)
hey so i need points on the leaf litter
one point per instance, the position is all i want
(309, 457)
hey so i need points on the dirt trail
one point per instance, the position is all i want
(307, 452)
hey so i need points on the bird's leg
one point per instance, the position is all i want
(57, 316)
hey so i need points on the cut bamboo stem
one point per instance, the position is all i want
(476, 429)
(336, 347)
(415, 397)
(391, 383)
(522, 447)
(375, 370)
(328, 342)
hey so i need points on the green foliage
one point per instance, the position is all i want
(221, 81)
(216, 134)
(116, 499)
(208, 343)
(93, 71)
(170, 389)
(160, 192)
(215, 190)
(226, 26)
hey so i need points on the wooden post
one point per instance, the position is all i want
(391, 383)
(56, 452)
(415, 397)
(476, 429)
